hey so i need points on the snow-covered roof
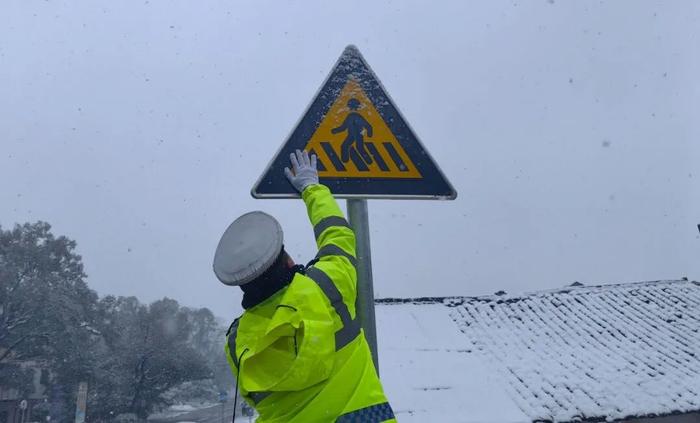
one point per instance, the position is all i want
(602, 352)
(430, 374)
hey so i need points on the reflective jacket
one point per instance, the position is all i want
(300, 356)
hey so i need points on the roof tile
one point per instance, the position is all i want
(609, 351)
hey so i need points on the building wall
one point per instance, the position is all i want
(38, 391)
(10, 412)
(11, 398)
(680, 418)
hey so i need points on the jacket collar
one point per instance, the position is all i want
(260, 290)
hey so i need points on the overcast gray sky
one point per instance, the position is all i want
(569, 129)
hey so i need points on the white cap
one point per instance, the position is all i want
(247, 248)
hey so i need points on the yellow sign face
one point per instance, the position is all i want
(353, 141)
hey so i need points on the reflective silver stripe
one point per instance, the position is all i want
(347, 334)
(232, 332)
(327, 222)
(256, 397)
(351, 327)
(334, 250)
(372, 414)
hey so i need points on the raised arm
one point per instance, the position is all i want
(334, 271)
(334, 237)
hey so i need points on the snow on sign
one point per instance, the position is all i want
(364, 146)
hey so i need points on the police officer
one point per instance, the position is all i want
(298, 352)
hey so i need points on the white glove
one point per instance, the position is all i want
(305, 172)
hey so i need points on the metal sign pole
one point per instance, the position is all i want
(359, 220)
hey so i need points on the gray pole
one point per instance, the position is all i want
(359, 220)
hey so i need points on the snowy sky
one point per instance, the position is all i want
(569, 129)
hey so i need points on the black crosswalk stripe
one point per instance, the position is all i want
(377, 157)
(395, 157)
(335, 160)
(357, 160)
(373, 149)
(319, 164)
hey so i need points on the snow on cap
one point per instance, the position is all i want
(247, 248)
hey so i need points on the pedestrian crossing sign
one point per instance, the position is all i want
(365, 148)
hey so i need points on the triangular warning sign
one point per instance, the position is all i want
(364, 146)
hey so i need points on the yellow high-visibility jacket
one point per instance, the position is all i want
(300, 356)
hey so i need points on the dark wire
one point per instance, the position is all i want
(238, 376)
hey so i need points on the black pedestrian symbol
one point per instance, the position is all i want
(354, 123)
